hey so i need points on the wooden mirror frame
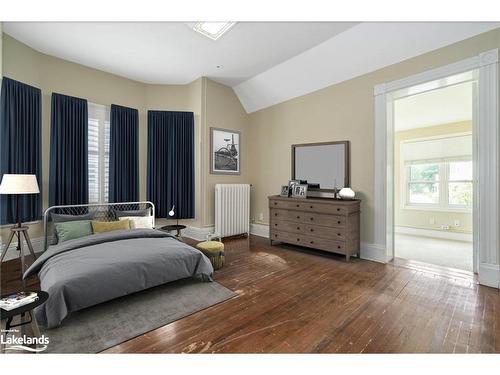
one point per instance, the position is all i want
(347, 180)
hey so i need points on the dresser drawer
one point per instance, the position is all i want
(327, 245)
(309, 241)
(338, 234)
(308, 206)
(287, 205)
(325, 208)
(288, 226)
(287, 215)
(324, 220)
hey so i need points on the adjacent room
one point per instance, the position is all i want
(249, 187)
(434, 177)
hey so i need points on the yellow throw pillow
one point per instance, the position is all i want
(108, 226)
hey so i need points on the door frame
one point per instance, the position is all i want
(486, 150)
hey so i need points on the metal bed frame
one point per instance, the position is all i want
(102, 211)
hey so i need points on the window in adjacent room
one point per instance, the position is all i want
(441, 180)
(423, 183)
(98, 146)
(440, 184)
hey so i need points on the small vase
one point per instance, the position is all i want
(346, 193)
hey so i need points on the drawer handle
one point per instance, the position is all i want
(311, 206)
(312, 230)
(338, 247)
(298, 228)
(275, 235)
(275, 203)
(277, 215)
(338, 234)
(275, 224)
(312, 241)
(338, 209)
(312, 218)
(298, 205)
(338, 222)
(298, 239)
(298, 217)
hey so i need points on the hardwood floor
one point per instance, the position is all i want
(292, 300)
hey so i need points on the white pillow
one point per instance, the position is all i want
(137, 222)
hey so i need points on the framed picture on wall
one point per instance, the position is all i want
(225, 157)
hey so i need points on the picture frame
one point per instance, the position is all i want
(225, 151)
(291, 183)
(299, 191)
(285, 191)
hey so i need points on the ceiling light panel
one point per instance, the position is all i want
(213, 30)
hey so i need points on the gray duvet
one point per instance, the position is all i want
(90, 270)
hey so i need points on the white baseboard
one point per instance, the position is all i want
(196, 233)
(12, 252)
(454, 236)
(261, 230)
(373, 252)
(489, 275)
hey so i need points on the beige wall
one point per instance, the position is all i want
(223, 110)
(340, 112)
(421, 218)
(51, 74)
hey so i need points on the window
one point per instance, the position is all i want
(98, 146)
(423, 186)
(440, 184)
(460, 183)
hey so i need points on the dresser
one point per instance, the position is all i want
(319, 223)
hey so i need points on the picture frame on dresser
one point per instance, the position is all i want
(285, 191)
(299, 191)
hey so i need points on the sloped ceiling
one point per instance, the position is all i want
(359, 50)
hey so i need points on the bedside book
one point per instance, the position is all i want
(15, 300)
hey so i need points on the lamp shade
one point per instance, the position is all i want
(19, 184)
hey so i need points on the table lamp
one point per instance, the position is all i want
(172, 213)
(19, 184)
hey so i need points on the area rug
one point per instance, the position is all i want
(100, 327)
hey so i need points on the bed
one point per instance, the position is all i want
(86, 271)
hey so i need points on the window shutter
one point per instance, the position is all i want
(98, 149)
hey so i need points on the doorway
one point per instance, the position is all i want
(482, 71)
(433, 174)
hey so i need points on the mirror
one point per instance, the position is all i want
(326, 164)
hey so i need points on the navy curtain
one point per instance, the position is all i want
(171, 162)
(68, 177)
(20, 143)
(124, 155)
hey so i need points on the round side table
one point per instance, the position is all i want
(7, 315)
(178, 228)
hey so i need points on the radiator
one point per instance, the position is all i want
(232, 209)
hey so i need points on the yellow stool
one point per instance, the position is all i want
(214, 250)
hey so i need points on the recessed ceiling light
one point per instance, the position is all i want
(213, 30)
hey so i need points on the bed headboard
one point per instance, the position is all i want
(102, 211)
